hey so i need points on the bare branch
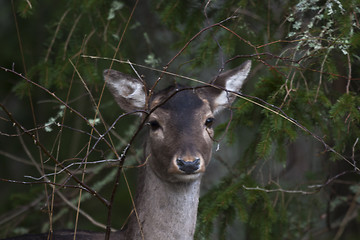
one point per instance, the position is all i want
(279, 190)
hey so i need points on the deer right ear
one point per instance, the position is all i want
(229, 81)
(129, 92)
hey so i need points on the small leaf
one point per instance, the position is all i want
(116, 5)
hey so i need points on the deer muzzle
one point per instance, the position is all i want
(188, 167)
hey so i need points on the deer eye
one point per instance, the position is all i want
(209, 122)
(154, 125)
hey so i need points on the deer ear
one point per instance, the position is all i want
(232, 81)
(129, 92)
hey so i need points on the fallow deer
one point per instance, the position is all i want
(178, 149)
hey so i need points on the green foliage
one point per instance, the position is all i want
(26, 8)
(302, 53)
(76, 31)
(225, 201)
(187, 18)
(19, 199)
(303, 87)
(228, 202)
(260, 224)
(345, 115)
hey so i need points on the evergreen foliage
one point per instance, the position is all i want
(317, 53)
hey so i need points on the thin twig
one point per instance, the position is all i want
(70, 34)
(349, 74)
(61, 101)
(55, 34)
(8, 217)
(279, 190)
(48, 154)
(353, 152)
(263, 104)
(351, 213)
(117, 179)
(83, 213)
(321, 75)
(81, 163)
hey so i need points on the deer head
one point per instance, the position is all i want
(179, 142)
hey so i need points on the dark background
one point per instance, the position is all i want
(289, 173)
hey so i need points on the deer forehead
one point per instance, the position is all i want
(184, 106)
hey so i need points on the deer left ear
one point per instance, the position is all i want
(129, 92)
(230, 81)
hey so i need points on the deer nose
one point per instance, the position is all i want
(188, 167)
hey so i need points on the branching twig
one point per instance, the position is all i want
(279, 190)
(61, 101)
(48, 154)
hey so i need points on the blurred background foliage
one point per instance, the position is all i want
(288, 167)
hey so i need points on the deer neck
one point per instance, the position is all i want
(165, 210)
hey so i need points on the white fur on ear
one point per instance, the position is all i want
(132, 91)
(233, 82)
(129, 92)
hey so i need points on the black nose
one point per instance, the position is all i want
(188, 167)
